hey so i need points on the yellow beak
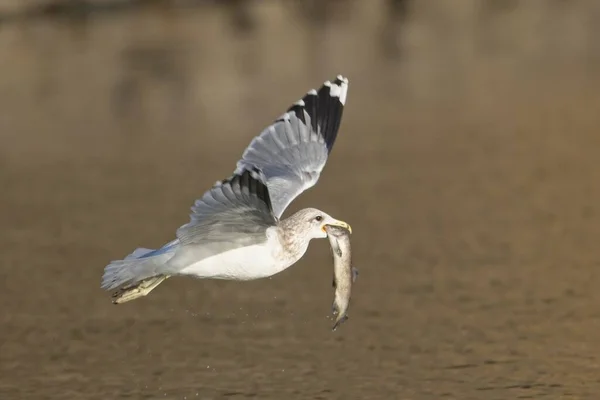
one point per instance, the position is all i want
(341, 224)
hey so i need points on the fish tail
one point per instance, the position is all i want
(335, 309)
(339, 322)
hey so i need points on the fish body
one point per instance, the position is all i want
(344, 274)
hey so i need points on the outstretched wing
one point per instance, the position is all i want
(292, 152)
(236, 211)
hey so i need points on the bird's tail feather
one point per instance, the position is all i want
(139, 252)
(133, 269)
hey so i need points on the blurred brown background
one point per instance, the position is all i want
(466, 164)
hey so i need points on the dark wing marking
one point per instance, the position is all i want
(292, 152)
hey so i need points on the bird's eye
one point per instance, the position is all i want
(319, 218)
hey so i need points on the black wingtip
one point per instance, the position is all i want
(325, 108)
(252, 181)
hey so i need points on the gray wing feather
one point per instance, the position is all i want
(292, 152)
(234, 211)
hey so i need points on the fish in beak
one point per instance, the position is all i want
(336, 223)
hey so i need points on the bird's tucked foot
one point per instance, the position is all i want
(138, 290)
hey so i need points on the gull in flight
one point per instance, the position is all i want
(235, 231)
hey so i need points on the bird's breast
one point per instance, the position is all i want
(244, 263)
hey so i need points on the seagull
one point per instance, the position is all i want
(235, 231)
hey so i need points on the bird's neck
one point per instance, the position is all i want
(293, 244)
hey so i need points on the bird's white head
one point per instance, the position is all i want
(313, 222)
